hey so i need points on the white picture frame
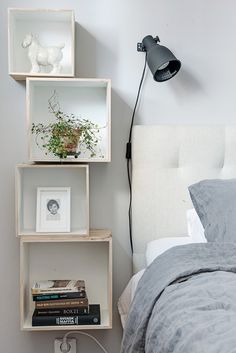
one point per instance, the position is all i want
(53, 209)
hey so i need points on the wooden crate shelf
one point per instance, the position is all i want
(88, 258)
(52, 27)
(85, 98)
(31, 176)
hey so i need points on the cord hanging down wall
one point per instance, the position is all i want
(163, 65)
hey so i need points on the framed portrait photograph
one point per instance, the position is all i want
(53, 210)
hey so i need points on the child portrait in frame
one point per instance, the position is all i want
(53, 209)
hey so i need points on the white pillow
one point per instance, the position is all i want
(196, 235)
(157, 247)
(195, 228)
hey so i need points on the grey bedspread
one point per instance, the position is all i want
(185, 302)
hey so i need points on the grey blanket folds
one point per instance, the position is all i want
(185, 302)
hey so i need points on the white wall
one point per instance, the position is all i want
(201, 33)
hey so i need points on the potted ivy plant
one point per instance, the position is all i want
(69, 135)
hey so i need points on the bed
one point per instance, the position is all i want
(186, 298)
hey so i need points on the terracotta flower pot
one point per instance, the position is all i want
(71, 142)
(69, 138)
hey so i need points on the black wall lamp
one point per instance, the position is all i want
(161, 61)
(163, 65)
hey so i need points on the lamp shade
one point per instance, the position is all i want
(161, 61)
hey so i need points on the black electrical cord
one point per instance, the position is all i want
(128, 154)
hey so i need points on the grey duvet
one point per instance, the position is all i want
(185, 302)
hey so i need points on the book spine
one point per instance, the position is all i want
(61, 304)
(52, 290)
(58, 287)
(56, 290)
(66, 320)
(58, 296)
(61, 312)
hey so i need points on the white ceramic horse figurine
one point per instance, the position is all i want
(43, 56)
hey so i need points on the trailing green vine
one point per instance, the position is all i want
(68, 135)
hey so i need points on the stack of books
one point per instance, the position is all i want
(63, 302)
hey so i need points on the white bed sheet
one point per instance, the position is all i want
(127, 296)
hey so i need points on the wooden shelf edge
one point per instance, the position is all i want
(67, 328)
(58, 165)
(23, 76)
(94, 235)
(76, 160)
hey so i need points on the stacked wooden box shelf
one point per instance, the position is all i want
(88, 258)
(53, 27)
(85, 98)
(31, 176)
(81, 253)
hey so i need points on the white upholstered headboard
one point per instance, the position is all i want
(165, 160)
